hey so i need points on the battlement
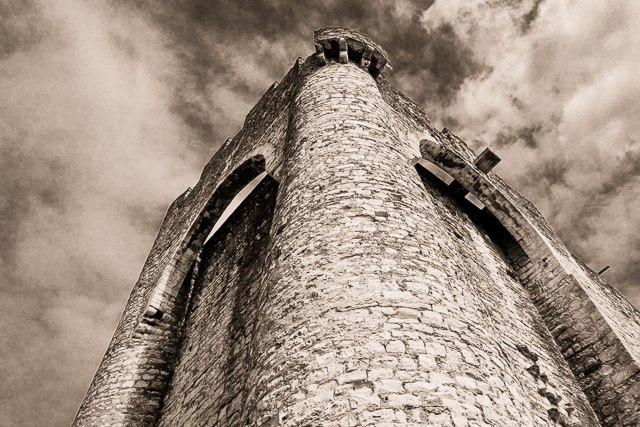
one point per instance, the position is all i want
(356, 286)
(344, 44)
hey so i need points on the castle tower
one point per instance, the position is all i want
(378, 274)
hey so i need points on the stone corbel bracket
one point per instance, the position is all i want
(344, 44)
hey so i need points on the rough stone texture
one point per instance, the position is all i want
(353, 287)
(595, 327)
(218, 351)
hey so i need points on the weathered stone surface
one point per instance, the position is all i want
(353, 287)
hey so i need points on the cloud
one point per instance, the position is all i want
(558, 101)
(87, 136)
(110, 108)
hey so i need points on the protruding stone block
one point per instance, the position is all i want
(385, 71)
(487, 160)
(320, 54)
(365, 61)
(344, 55)
(150, 312)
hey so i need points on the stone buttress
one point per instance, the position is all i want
(353, 286)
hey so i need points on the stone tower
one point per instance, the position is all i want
(378, 274)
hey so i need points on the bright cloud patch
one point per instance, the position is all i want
(559, 102)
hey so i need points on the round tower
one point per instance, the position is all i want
(380, 286)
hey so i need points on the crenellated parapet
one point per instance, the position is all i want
(344, 44)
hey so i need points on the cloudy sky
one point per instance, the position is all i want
(108, 111)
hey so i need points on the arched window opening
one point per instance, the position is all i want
(433, 175)
(225, 310)
(222, 202)
(235, 203)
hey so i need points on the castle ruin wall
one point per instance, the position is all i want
(353, 286)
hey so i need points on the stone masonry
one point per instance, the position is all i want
(379, 274)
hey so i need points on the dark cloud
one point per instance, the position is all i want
(266, 37)
(110, 108)
(627, 168)
(529, 17)
(433, 65)
(528, 135)
(22, 26)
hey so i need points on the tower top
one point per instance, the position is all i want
(344, 44)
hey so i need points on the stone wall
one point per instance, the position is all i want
(218, 352)
(111, 398)
(355, 288)
(593, 325)
(396, 321)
